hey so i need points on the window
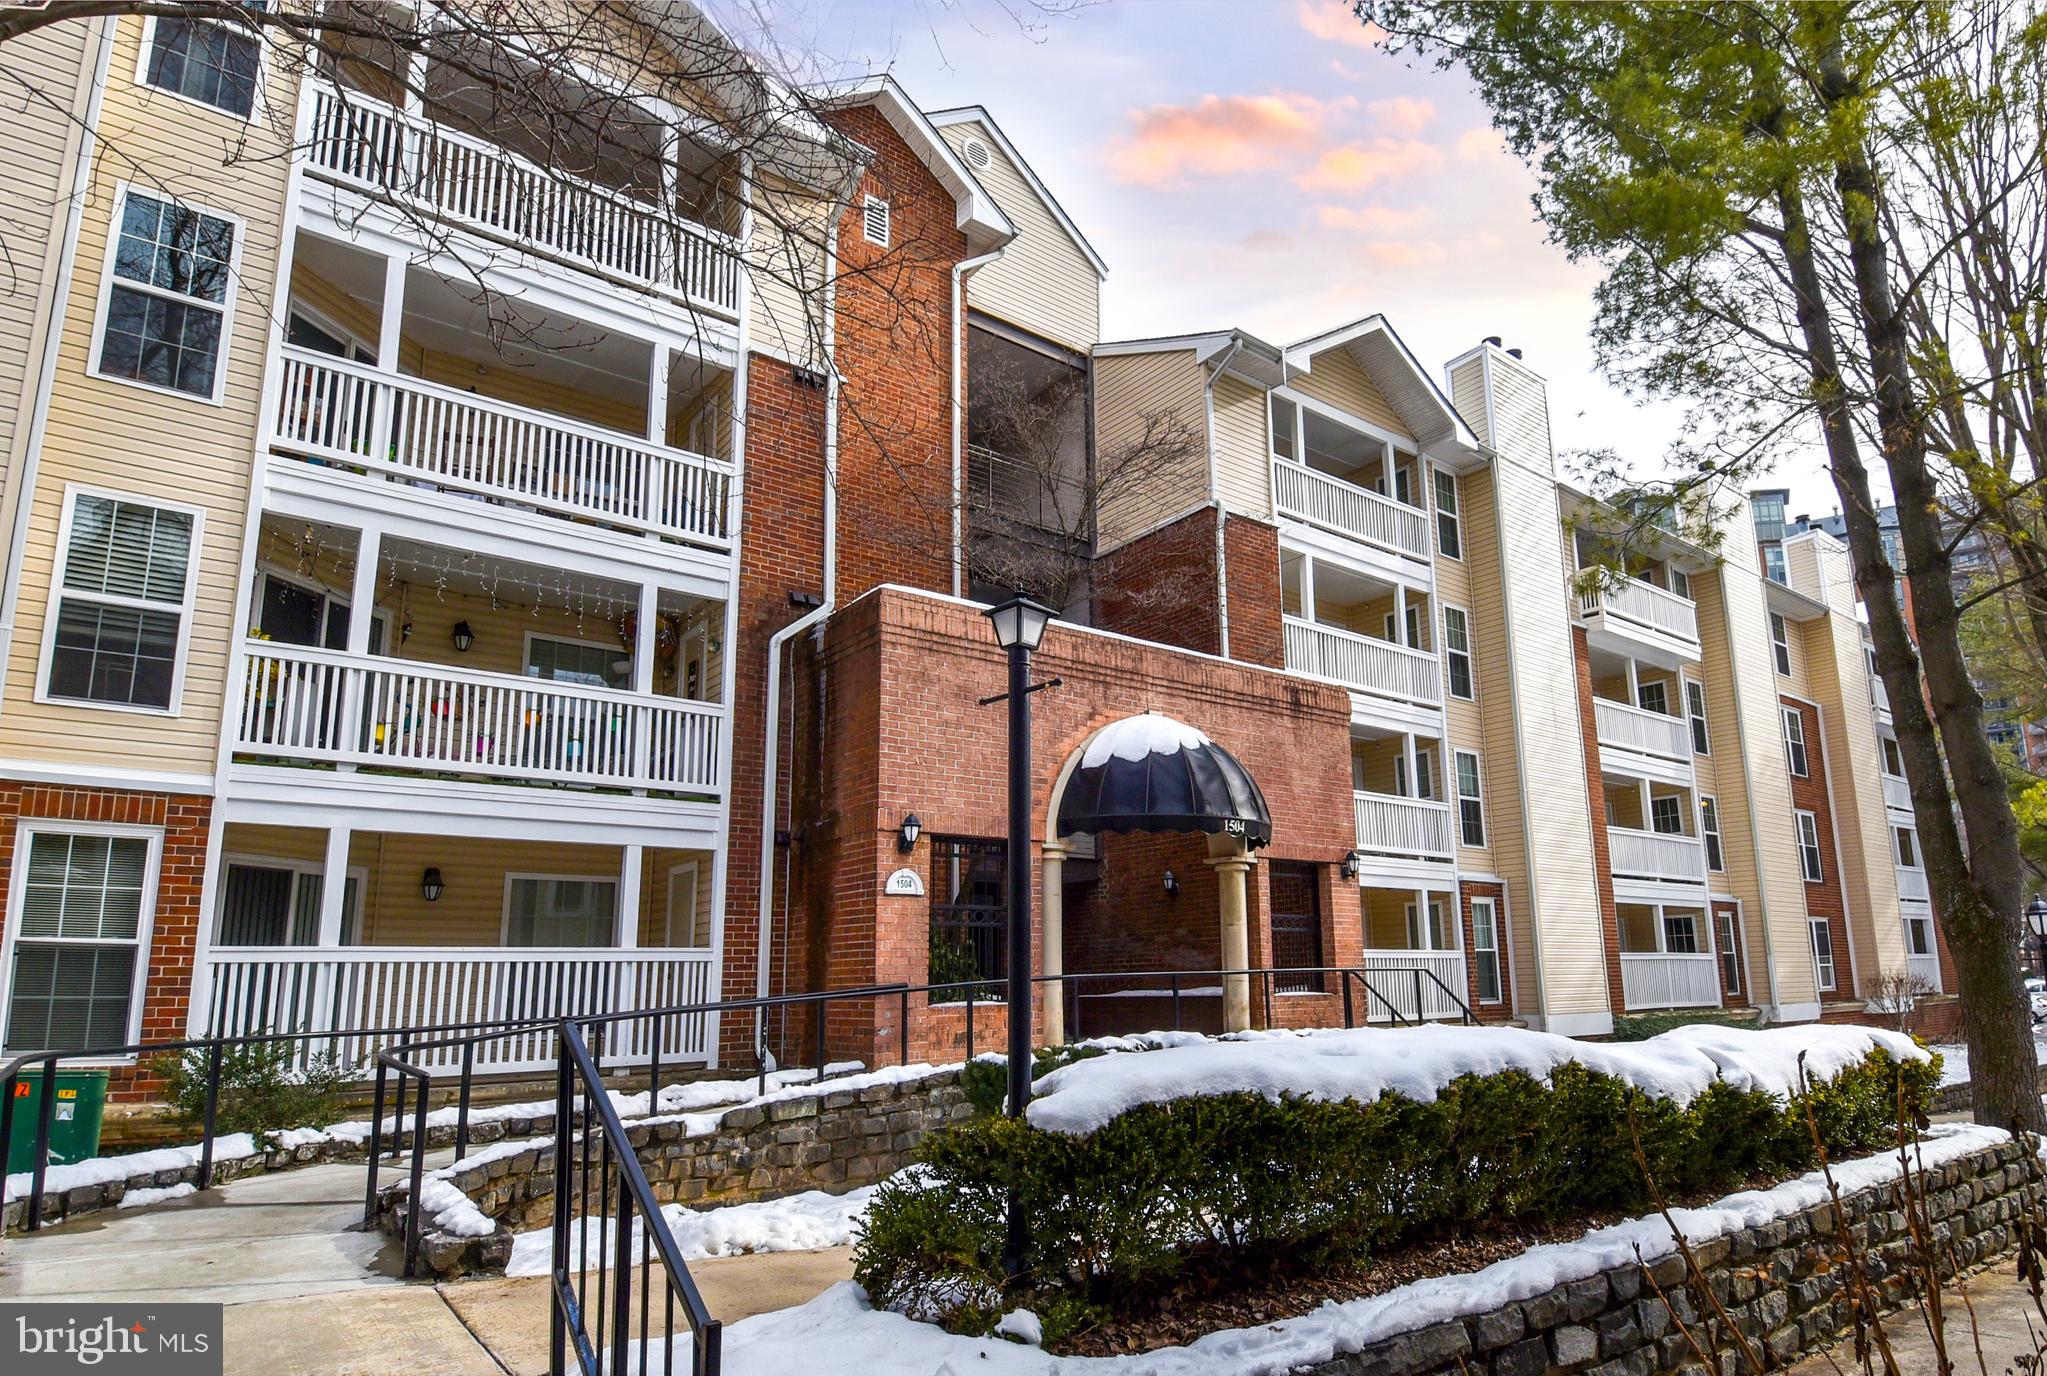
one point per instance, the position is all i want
(1680, 933)
(1297, 925)
(1908, 847)
(1695, 708)
(274, 903)
(1681, 583)
(1809, 847)
(1284, 420)
(578, 661)
(1774, 568)
(874, 221)
(1457, 651)
(1666, 815)
(1652, 696)
(1823, 955)
(306, 331)
(1449, 536)
(166, 307)
(78, 938)
(1413, 621)
(1709, 832)
(1767, 508)
(1730, 950)
(969, 916)
(1894, 762)
(688, 924)
(1436, 938)
(559, 910)
(294, 613)
(1485, 949)
(1425, 775)
(211, 63)
(122, 603)
(1919, 936)
(1470, 799)
(1794, 740)
(1780, 642)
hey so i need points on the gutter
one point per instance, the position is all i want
(959, 333)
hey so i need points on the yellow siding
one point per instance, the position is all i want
(786, 259)
(1128, 388)
(148, 444)
(1464, 720)
(1337, 379)
(1042, 282)
(1243, 456)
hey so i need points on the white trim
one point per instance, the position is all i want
(1458, 800)
(96, 342)
(1499, 947)
(526, 658)
(56, 595)
(28, 828)
(1436, 512)
(869, 205)
(1470, 653)
(1718, 833)
(1400, 443)
(259, 104)
(1301, 354)
(299, 868)
(514, 876)
(327, 324)
(976, 114)
(1814, 926)
(105, 776)
(694, 869)
(1801, 819)
(976, 211)
(1685, 683)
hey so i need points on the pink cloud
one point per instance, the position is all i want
(1405, 115)
(1333, 21)
(1476, 145)
(1216, 136)
(1374, 219)
(1355, 166)
(1405, 253)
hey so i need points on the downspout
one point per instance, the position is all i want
(1222, 555)
(22, 491)
(959, 335)
(771, 750)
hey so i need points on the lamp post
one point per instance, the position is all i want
(2036, 919)
(1019, 627)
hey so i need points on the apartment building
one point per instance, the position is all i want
(442, 588)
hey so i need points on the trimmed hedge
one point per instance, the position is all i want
(1116, 1213)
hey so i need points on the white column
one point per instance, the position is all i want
(625, 923)
(1642, 792)
(1307, 587)
(1232, 864)
(657, 394)
(1052, 860)
(640, 716)
(391, 323)
(362, 589)
(1424, 942)
(1400, 615)
(334, 886)
(1414, 780)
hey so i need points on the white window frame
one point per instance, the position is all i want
(1702, 735)
(1702, 941)
(1915, 921)
(1825, 974)
(1478, 798)
(56, 595)
(95, 345)
(267, 572)
(693, 868)
(1469, 654)
(1498, 949)
(526, 660)
(1909, 836)
(1726, 947)
(1642, 688)
(1425, 773)
(1780, 643)
(258, 103)
(1797, 756)
(1675, 810)
(868, 208)
(1417, 929)
(513, 877)
(1408, 635)
(300, 868)
(1454, 513)
(1718, 847)
(1811, 863)
(360, 350)
(17, 893)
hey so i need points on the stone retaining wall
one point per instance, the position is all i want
(1783, 1285)
(819, 1139)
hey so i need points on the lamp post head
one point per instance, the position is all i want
(1020, 621)
(2036, 915)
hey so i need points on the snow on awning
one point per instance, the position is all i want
(1152, 773)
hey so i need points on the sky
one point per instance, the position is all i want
(1261, 164)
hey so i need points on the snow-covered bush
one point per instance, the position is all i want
(1240, 1170)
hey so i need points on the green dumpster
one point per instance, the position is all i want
(74, 1125)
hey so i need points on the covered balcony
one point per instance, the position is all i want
(1350, 492)
(1414, 954)
(1406, 830)
(1652, 835)
(607, 183)
(1667, 958)
(1649, 616)
(474, 668)
(1640, 715)
(392, 373)
(1373, 637)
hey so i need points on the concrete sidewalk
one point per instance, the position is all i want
(2005, 1323)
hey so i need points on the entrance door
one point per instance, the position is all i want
(682, 908)
(1296, 923)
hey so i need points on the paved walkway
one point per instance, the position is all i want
(2005, 1323)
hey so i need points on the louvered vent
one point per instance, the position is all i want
(874, 221)
(976, 153)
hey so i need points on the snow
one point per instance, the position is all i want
(1365, 1063)
(840, 1334)
(1954, 1058)
(1133, 738)
(106, 1170)
(1023, 1326)
(137, 1199)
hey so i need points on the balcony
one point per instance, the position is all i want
(1414, 986)
(305, 705)
(1926, 970)
(1642, 732)
(1364, 664)
(1670, 981)
(1640, 619)
(343, 413)
(1404, 828)
(1912, 886)
(1897, 793)
(1356, 514)
(367, 145)
(1661, 857)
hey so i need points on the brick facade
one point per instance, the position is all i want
(1824, 899)
(1595, 788)
(1251, 549)
(1162, 586)
(1503, 1008)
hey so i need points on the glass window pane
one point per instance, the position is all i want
(69, 997)
(113, 654)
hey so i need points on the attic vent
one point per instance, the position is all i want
(874, 221)
(976, 153)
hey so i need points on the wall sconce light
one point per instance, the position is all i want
(1172, 884)
(906, 836)
(464, 637)
(1350, 865)
(430, 886)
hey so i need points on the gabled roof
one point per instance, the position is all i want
(985, 225)
(1249, 357)
(978, 114)
(1407, 386)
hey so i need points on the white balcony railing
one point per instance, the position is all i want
(1925, 969)
(1670, 981)
(1912, 885)
(1879, 695)
(372, 146)
(359, 988)
(1400, 983)
(300, 703)
(1656, 855)
(1897, 793)
(382, 422)
(1649, 733)
(1361, 662)
(1644, 605)
(1302, 494)
(1414, 828)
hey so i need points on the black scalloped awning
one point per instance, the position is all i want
(1152, 773)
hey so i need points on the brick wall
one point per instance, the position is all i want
(1595, 787)
(174, 925)
(1252, 550)
(1730, 998)
(1161, 586)
(1504, 1008)
(1824, 899)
